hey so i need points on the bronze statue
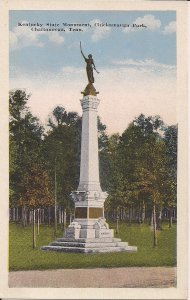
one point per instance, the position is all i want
(89, 66)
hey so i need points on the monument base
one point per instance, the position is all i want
(89, 239)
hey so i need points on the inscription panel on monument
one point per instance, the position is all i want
(95, 212)
(81, 212)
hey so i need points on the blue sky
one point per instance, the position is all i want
(141, 58)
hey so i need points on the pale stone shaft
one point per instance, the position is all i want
(89, 165)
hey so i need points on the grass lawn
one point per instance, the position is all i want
(23, 257)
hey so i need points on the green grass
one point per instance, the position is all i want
(23, 257)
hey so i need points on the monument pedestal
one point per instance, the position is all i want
(89, 231)
(97, 238)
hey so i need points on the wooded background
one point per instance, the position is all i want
(138, 168)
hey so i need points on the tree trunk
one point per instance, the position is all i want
(24, 216)
(152, 219)
(62, 218)
(130, 216)
(139, 215)
(14, 214)
(133, 212)
(143, 212)
(117, 221)
(117, 225)
(59, 209)
(125, 214)
(38, 221)
(154, 224)
(43, 216)
(65, 218)
(40, 216)
(49, 215)
(55, 220)
(23, 219)
(170, 217)
(159, 223)
(30, 216)
(121, 214)
(17, 216)
(55, 204)
(34, 230)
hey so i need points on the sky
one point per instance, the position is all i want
(137, 63)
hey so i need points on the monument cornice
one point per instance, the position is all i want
(89, 103)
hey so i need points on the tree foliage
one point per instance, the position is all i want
(25, 145)
(61, 151)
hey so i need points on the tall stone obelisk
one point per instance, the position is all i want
(89, 231)
(89, 198)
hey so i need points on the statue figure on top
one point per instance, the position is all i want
(89, 66)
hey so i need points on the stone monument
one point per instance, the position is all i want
(89, 232)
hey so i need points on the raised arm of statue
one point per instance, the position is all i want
(82, 52)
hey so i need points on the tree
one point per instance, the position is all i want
(37, 192)
(25, 143)
(104, 162)
(61, 151)
(152, 174)
(115, 179)
(139, 168)
(60, 117)
(29, 183)
(170, 139)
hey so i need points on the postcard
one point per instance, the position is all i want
(94, 150)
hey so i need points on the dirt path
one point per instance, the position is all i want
(102, 278)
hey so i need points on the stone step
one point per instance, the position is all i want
(89, 250)
(121, 244)
(89, 245)
(63, 249)
(88, 240)
(132, 248)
